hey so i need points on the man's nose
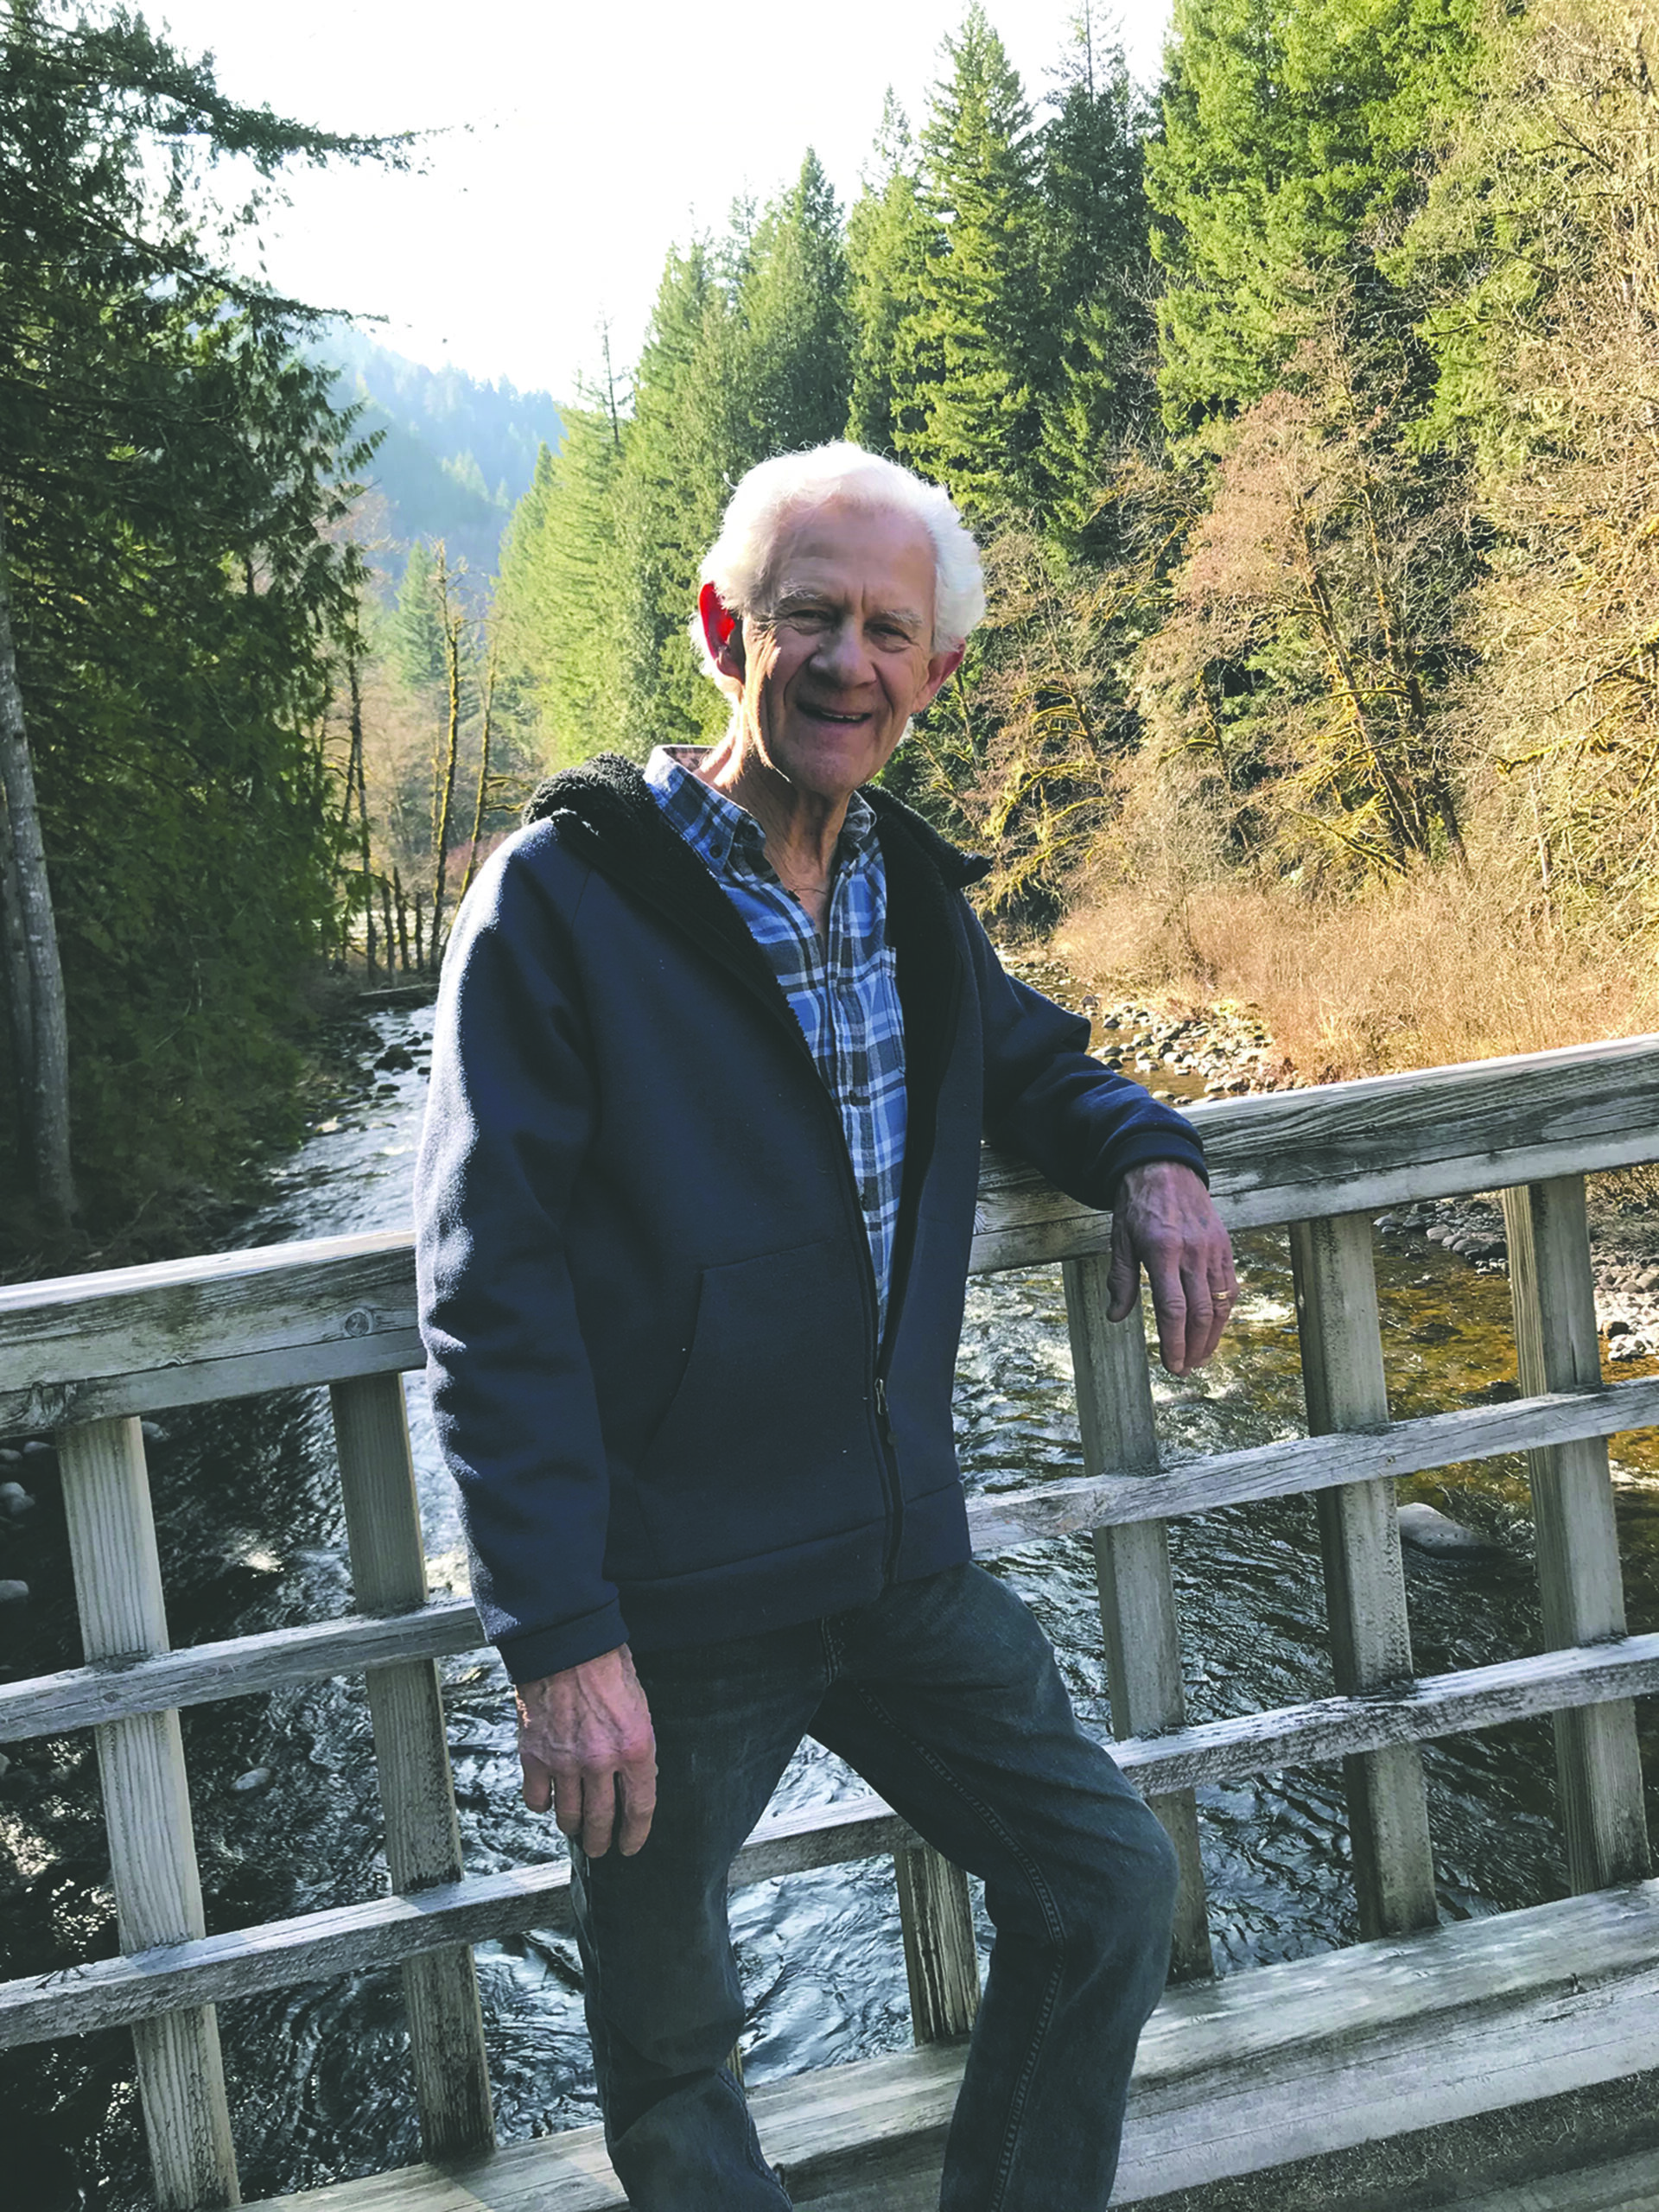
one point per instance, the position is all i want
(843, 654)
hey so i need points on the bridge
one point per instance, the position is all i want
(1419, 2026)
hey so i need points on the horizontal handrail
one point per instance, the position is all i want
(83, 1697)
(237, 1665)
(138, 1340)
(1297, 1464)
(1357, 1148)
(349, 1939)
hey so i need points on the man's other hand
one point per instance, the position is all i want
(1165, 1222)
(585, 1741)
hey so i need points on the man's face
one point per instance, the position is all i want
(842, 656)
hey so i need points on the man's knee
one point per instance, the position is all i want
(1136, 1875)
(1157, 1872)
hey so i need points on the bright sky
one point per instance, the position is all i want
(583, 141)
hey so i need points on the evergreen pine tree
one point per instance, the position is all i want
(559, 609)
(1287, 134)
(980, 309)
(170, 489)
(794, 310)
(889, 238)
(690, 418)
(1096, 282)
(417, 631)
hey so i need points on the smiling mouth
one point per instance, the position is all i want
(831, 714)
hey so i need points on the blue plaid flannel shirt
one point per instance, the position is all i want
(845, 994)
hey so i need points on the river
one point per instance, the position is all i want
(287, 1817)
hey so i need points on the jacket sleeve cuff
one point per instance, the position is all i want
(550, 1650)
(1147, 1144)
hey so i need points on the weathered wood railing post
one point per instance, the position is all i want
(1137, 1595)
(153, 1866)
(383, 1521)
(1365, 1579)
(1599, 1766)
(941, 1959)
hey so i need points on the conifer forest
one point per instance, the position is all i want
(1304, 404)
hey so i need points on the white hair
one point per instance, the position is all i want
(775, 492)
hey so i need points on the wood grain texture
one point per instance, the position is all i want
(1341, 1340)
(1231, 2077)
(941, 1957)
(1358, 1146)
(146, 1796)
(81, 1697)
(351, 1939)
(1118, 1497)
(136, 1340)
(139, 1339)
(1597, 1763)
(411, 1751)
(1137, 1593)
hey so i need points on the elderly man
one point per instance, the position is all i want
(716, 1046)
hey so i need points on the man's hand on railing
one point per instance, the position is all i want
(1165, 1222)
(585, 1741)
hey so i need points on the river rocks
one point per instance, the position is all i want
(15, 1502)
(1221, 1051)
(1428, 1529)
(253, 1783)
(13, 1595)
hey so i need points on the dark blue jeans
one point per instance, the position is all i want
(946, 1697)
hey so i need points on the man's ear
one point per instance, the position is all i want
(722, 631)
(940, 668)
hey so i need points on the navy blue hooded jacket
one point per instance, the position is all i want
(646, 1287)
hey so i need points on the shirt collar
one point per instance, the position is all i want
(716, 825)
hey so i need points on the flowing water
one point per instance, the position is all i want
(286, 1813)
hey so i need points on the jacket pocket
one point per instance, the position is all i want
(767, 1443)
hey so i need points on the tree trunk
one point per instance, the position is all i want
(444, 796)
(20, 992)
(39, 1022)
(386, 917)
(483, 779)
(354, 770)
(403, 921)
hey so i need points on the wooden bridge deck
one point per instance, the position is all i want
(1233, 2076)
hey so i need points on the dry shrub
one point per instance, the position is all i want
(1409, 973)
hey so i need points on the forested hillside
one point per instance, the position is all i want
(1304, 406)
(1306, 414)
(453, 455)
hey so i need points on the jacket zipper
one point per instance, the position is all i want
(878, 1343)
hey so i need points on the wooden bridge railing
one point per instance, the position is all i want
(86, 1356)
